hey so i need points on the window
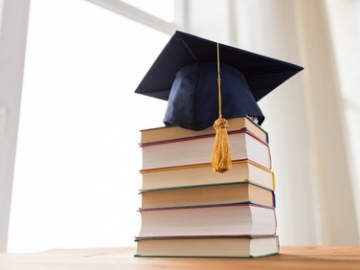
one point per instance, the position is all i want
(76, 173)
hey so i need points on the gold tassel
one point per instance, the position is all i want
(221, 158)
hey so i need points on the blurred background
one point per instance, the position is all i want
(70, 121)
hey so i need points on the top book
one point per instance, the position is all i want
(176, 132)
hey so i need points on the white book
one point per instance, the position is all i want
(193, 175)
(198, 150)
(211, 220)
(223, 247)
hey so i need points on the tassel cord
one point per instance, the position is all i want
(221, 159)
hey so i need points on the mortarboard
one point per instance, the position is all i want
(187, 75)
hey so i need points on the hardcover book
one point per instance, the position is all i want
(198, 150)
(224, 220)
(224, 247)
(202, 174)
(241, 192)
(176, 132)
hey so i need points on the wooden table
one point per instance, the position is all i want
(309, 257)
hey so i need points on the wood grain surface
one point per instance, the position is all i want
(301, 257)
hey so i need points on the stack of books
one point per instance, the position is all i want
(187, 210)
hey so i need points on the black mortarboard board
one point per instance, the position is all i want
(185, 74)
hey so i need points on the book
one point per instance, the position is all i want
(176, 132)
(198, 150)
(231, 247)
(202, 174)
(224, 220)
(240, 192)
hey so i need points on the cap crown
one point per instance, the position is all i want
(193, 99)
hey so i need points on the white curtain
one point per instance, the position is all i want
(313, 156)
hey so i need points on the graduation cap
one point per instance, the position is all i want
(187, 75)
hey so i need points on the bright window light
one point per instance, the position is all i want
(163, 9)
(76, 174)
